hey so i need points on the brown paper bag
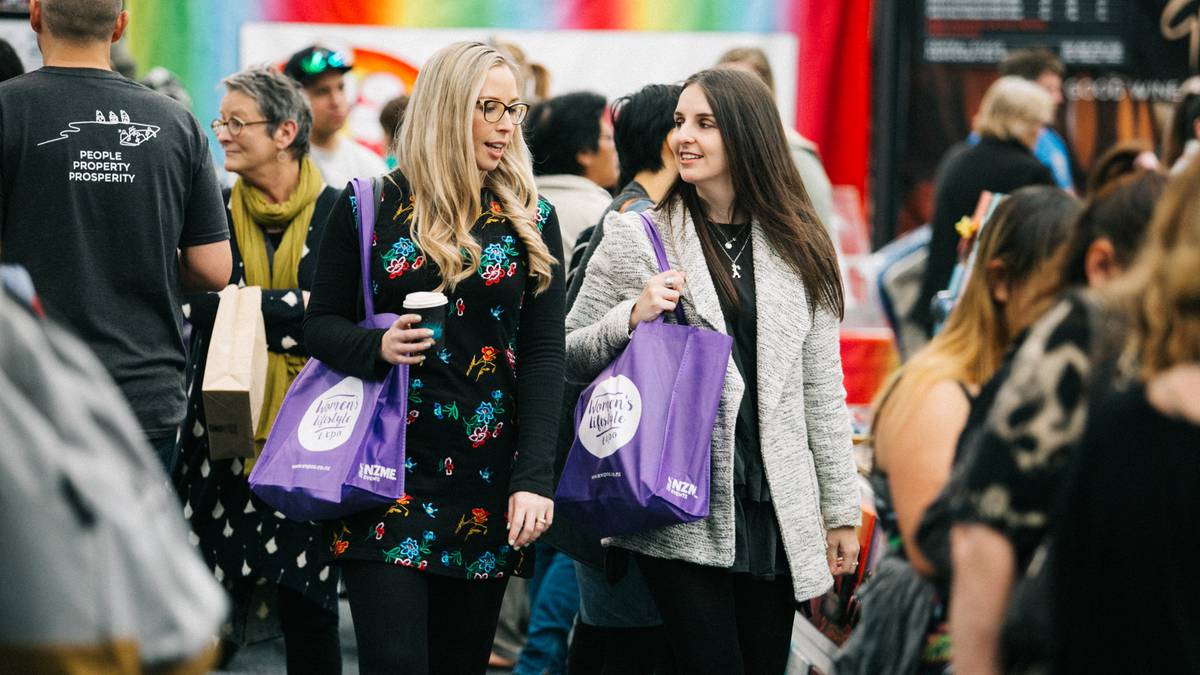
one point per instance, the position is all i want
(235, 373)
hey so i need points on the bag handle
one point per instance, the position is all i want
(366, 194)
(661, 254)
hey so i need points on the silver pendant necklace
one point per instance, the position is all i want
(734, 267)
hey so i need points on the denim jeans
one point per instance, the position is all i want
(554, 595)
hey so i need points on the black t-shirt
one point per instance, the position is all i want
(101, 180)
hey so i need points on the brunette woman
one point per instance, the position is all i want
(749, 258)
(460, 215)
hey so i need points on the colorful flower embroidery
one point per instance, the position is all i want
(410, 465)
(445, 411)
(402, 257)
(430, 509)
(401, 505)
(543, 213)
(340, 544)
(452, 558)
(486, 362)
(486, 474)
(413, 415)
(498, 260)
(379, 530)
(444, 355)
(414, 390)
(476, 524)
(497, 311)
(510, 353)
(483, 423)
(410, 552)
(459, 307)
(448, 466)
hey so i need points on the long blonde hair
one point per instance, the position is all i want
(1161, 293)
(1025, 232)
(435, 153)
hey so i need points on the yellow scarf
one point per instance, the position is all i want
(251, 212)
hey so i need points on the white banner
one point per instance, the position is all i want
(612, 63)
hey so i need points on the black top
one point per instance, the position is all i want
(758, 549)
(965, 172)
(468, 411)
(101, 180)
(1124, 570)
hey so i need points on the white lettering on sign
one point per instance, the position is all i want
(330, 419)
(612, 416)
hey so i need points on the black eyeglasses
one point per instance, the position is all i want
(234, 125)
(493, 110)
(321, 59)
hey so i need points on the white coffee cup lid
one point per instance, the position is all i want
(424, 300)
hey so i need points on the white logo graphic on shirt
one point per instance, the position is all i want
(611, 417)
(129, 133)
(330, 419)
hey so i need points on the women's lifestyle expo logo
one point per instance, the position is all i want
(612, 416)
(330, 419)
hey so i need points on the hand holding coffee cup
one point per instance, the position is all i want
(403, 343)
(431, 306)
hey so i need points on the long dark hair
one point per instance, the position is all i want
(766, 186)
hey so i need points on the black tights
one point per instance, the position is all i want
(417, 623)
(600, 650)
(720, 622)
(310, 635)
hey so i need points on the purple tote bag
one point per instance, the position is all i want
(643, 429)
(337, 446)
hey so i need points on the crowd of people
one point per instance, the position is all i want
(1025, 460)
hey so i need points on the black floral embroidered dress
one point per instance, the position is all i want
(469, 415)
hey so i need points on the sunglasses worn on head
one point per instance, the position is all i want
(321, 60)
(493, 110)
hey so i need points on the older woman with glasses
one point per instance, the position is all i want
(276, 211)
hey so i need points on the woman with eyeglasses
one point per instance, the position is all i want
(271, 566)
(460, 216)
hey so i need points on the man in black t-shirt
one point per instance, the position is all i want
(109, 199)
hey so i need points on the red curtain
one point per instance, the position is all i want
(834, 84)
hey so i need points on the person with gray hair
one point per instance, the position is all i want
(276, 212)
(109, 199)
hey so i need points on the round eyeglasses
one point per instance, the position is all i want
(234, 125)
(493, 110)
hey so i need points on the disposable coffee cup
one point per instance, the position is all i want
(431, 306)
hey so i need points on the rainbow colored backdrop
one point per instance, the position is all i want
(198, 39)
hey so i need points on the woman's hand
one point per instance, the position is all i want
(529, 516)
(402, 343)
(842, 551)
(660, 295)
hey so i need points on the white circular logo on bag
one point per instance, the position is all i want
(330, 419)
(611, 417)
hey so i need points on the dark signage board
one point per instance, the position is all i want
(1158, 39)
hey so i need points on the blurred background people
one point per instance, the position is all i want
(804, 152)
(1043, 68)
(271, 567)
(390, 117)
(10, 63)
(1182, 141)
(1009, 122)
(940, 395)
(1134, 477)
(1002, 505)
(321, 71)
(574, 159)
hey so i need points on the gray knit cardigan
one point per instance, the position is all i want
(805, 428)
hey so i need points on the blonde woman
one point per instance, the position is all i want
(460, 215)
(1011, 116)
(936, 397)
